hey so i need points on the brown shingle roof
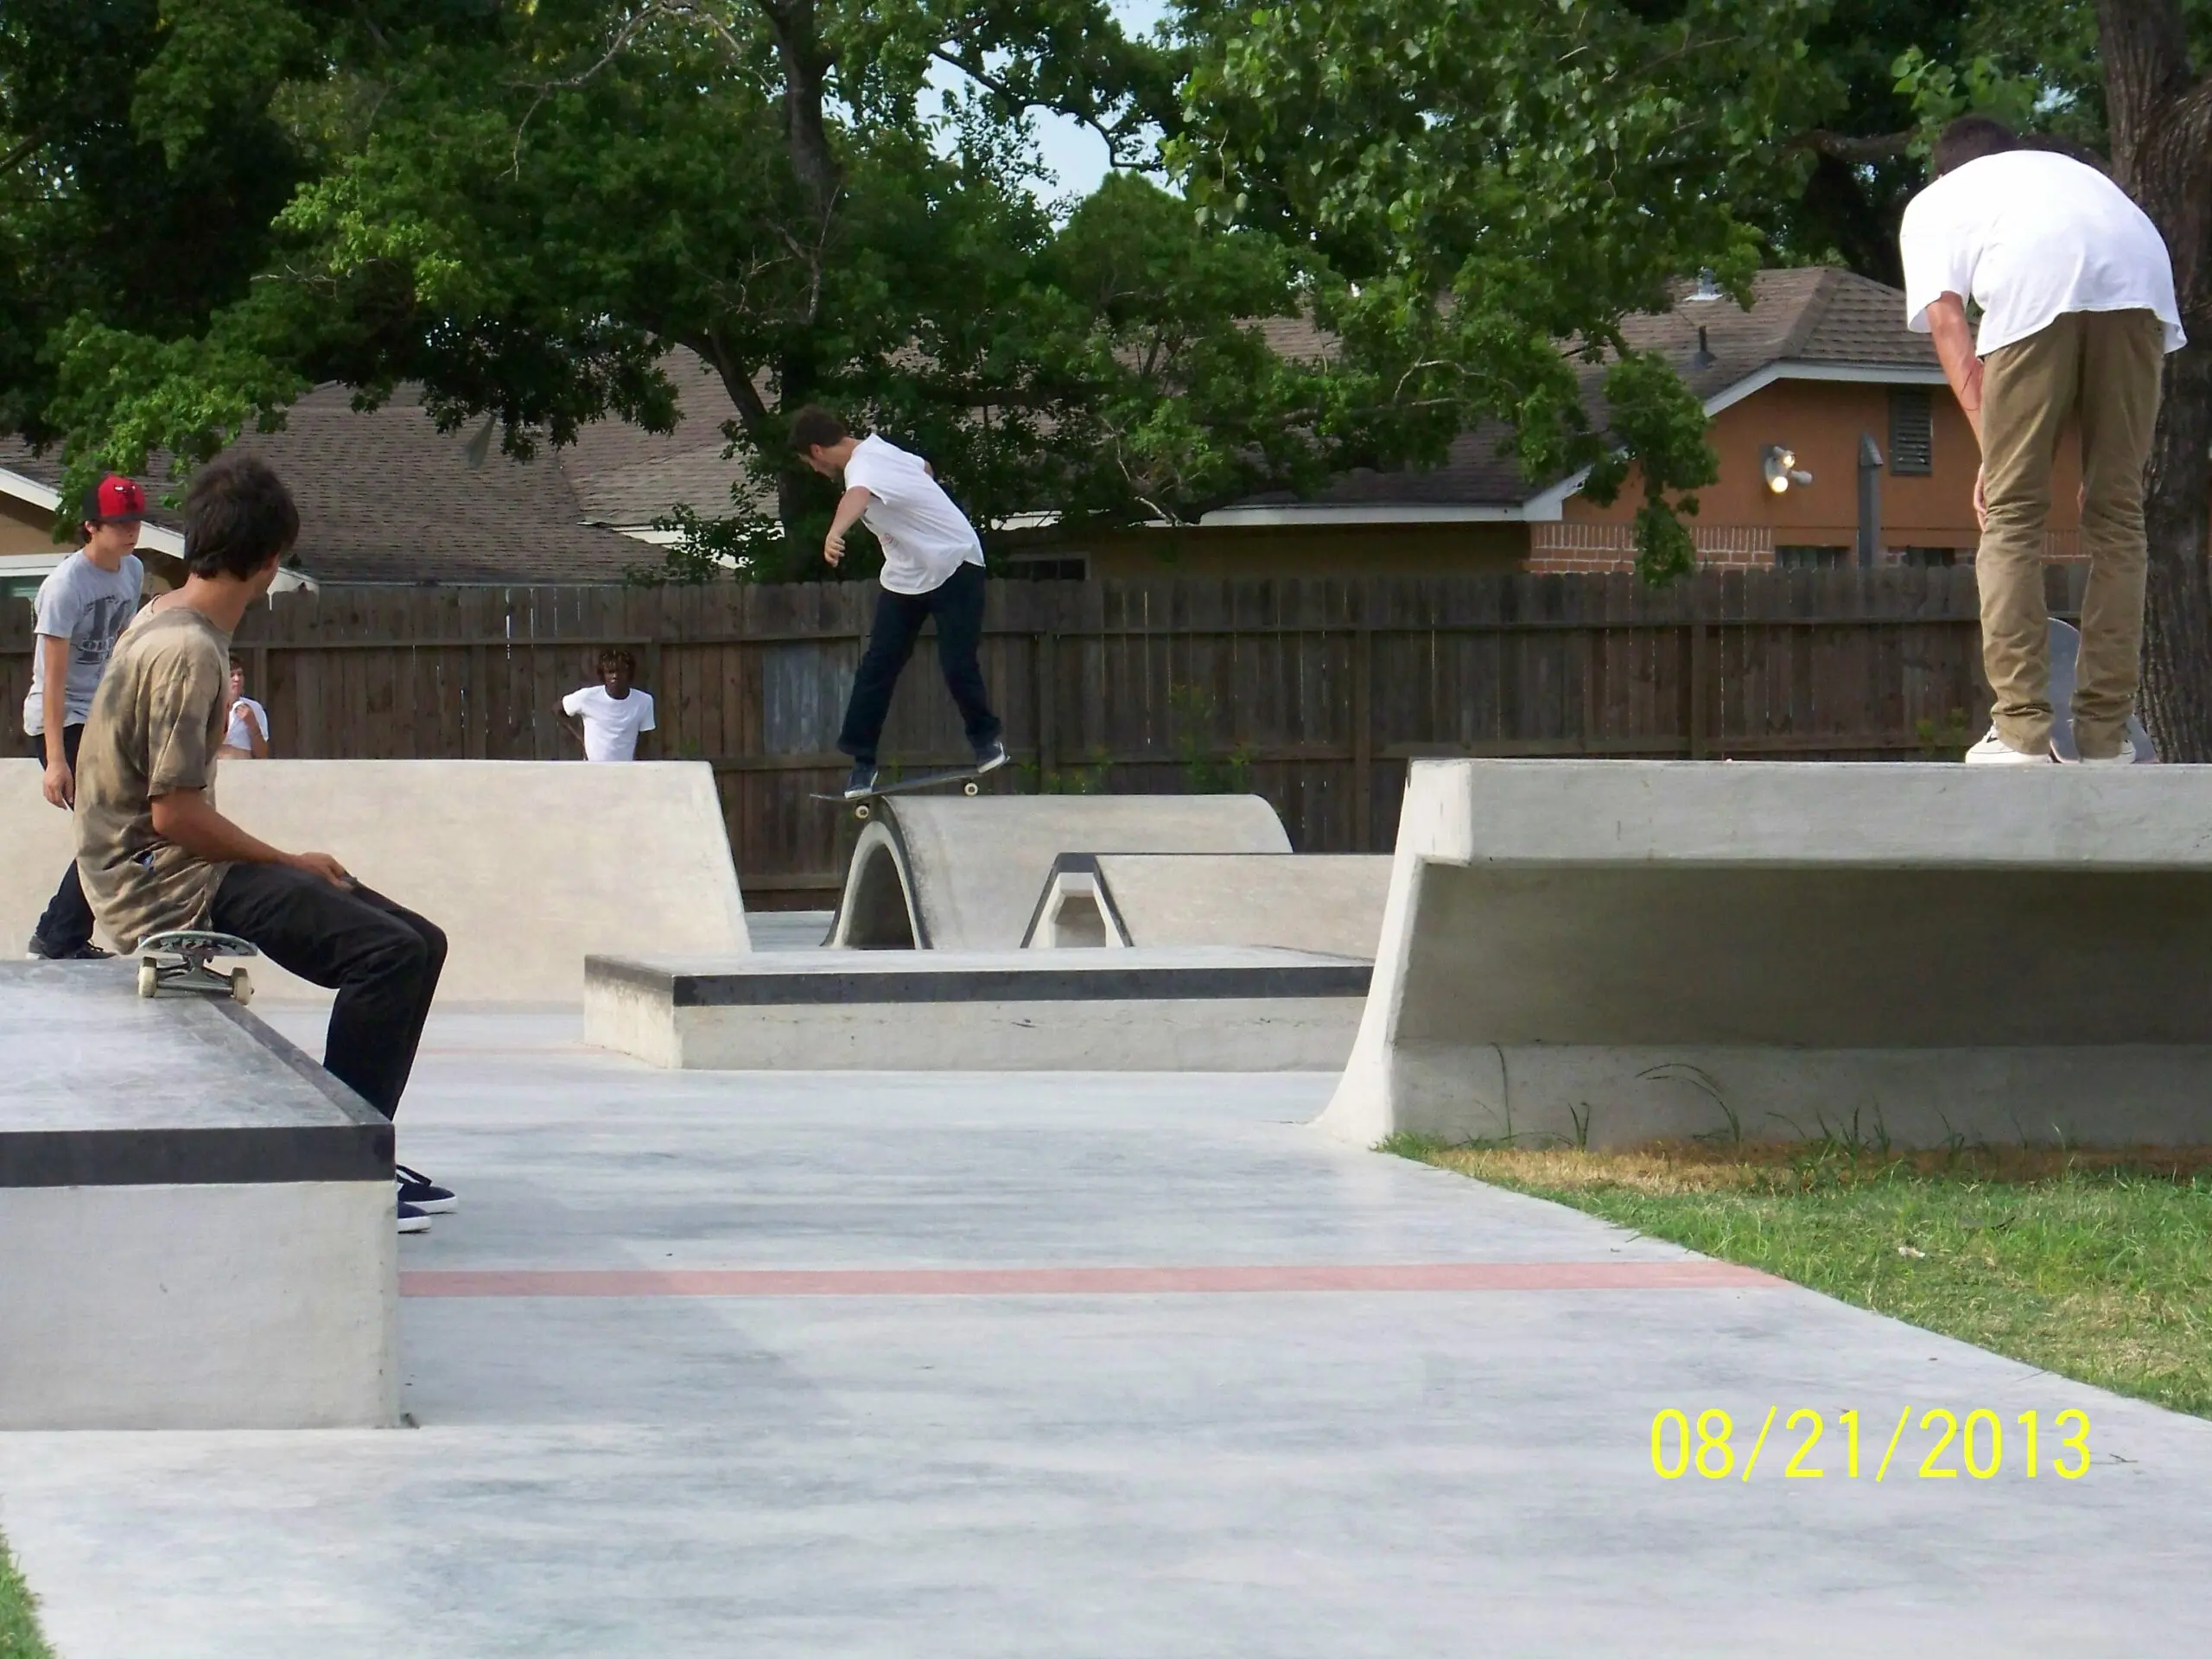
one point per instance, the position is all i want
(627, 476)
(1803, 316)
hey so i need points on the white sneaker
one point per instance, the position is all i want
(2124, 758)
(1994, 751)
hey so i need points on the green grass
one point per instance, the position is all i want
(19, 1636)
(2094, 1265)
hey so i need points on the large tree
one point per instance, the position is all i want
(522, 206)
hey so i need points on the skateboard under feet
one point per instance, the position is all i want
(864, 805)
(178, 961)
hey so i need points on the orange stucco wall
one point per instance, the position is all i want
(1821, 420)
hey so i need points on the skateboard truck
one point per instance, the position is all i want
(864, 805)
(178, 960)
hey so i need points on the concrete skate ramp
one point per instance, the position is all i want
(528, 865)
(37, 843)
(962, 874)
(1620, 950)
(1326, 902)
(195, 1220)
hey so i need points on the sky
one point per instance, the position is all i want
(1075, 156)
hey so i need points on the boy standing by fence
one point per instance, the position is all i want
(609, 719)
(932, 567)
(82, 607)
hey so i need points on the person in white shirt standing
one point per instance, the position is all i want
(82, 607)
(2076, 293)
(608, 718)
(932, 567)
(245, 733)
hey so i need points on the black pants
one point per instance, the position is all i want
(66, 927)
(382, 960)
(958, 605)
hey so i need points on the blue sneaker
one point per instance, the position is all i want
(424, 1194)
(990, 756)
(861, 782)
(412, 1220)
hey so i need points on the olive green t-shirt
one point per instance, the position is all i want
(155, 726)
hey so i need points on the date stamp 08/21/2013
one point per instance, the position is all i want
(1946, 1444)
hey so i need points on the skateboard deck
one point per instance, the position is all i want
(2065, 650)
(967, 776)
(178, 961)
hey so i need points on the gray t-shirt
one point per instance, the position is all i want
(88, 606)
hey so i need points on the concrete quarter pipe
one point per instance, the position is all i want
(954, 874)
(1617, 951)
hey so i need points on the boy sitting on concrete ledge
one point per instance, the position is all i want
(156, 855)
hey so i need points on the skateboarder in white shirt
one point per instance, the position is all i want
(608, 718)
(932, 567)
(2076, 291)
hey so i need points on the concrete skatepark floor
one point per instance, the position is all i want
(895, 1470)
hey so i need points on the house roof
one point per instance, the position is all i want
(1813, 322)
(626, 476)
(385, 496)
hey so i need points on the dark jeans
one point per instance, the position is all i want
(958, 607)
(66, 927)
(382, 960)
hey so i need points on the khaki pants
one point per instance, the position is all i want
(2100, 370)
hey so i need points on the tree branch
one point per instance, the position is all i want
(1851, 149)
(1021, 100)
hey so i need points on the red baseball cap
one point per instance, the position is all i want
(114, 497)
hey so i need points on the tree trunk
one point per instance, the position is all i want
(2160, 114)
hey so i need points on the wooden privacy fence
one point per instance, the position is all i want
(1313, 693)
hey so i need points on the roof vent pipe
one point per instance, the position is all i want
(1708, 286)
(1702, 357)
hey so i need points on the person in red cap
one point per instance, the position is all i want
(82, 607)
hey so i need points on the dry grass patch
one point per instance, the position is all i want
(2095, 1264)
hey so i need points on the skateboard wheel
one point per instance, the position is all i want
(863, 813)
(968, 788)
(149, 977)
(241, 987)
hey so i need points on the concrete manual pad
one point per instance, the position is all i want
(1626, 950)
(950, 872)
(527, 866)
(1352, 1474)
(195, 1220)
(1201, 1010)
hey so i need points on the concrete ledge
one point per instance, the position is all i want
(1621, 950)
(950, 873)
(1329, 902)
(195, 1220)
(528, 865)
(1196, 1009)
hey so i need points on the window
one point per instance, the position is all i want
(1930, 558)
(1045, 567)
(22, 588)
(1814, 558)
(1912, 432)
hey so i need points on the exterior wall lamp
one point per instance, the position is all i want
(1779, 463)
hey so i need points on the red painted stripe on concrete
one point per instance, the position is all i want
(1080, 1281)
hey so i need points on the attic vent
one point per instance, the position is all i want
(1912, 432)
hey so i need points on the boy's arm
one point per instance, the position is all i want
(186, 818)
(60, 786)
(850, 506)
(257, 735)
(1947, 321)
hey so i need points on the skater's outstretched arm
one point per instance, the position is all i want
(850, 506)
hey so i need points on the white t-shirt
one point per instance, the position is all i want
(2028, 235)
(925, 538)
(611, 724)
(246, 717)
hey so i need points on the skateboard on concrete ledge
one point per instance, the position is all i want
(864, 805)
(2065, 650)
(178, 961)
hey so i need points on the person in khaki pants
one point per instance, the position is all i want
(2076, 293)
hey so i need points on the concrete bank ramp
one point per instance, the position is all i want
(528, 865)
(1327, 902)
(962, 874)
(195, 1222)
(1620, 950)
